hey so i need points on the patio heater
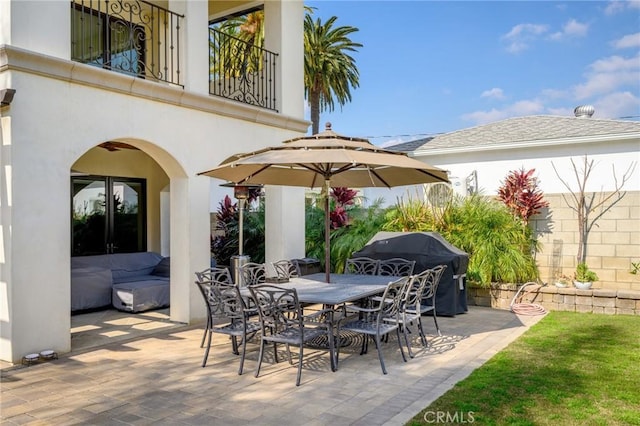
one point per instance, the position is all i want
(241, 193)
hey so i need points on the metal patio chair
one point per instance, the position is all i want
(253, 273)
(286, 269)
(410, 310)
(361, 265)
(227, 314)
(396, 266)
(428, 302)
(378, 321)
(282, 321)
(214, 273)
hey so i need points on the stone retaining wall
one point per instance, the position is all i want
(552, 298)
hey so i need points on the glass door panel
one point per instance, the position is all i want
(89, 233)
(128, 221)
(108, 215)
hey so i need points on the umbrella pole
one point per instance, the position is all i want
(240, 226)
(327, 250)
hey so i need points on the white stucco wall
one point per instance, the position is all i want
(37, 25)
(61, 111)
(492, 167)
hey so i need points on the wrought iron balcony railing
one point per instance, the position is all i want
(241, 71)
(129, 36)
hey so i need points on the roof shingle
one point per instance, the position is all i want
(523, 130)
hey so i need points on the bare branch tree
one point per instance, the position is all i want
(590, 207)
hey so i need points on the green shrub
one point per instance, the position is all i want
(363, 224)
(498, 244)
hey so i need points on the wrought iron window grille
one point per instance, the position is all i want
(241, 71)
(131, 37)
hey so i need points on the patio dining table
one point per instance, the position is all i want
(343, 288)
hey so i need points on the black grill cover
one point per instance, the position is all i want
(428, 249)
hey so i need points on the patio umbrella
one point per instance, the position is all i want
(326, 159)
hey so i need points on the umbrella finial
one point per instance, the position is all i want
(327, 126)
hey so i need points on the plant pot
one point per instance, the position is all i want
(582, 285)
(562, 285)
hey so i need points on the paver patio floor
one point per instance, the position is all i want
(157, 378)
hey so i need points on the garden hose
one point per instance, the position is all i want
(526, 308)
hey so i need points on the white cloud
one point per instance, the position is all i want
(524, 29)
(598, 84)
(618, 6)
(628, 41)
(616, 63)
(562, 111)
(556, 36)
(526, 107)
(517, 109)
(554, 93)
(614, 7)
(484, 117)
(572, 28)
(608, 75)
(495, 93)
(616, 105)
(516, 46)
(521, 35)
(575, 28)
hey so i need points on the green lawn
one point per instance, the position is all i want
(568, 369)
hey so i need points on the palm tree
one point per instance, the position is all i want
(329, 70)
(240, 51)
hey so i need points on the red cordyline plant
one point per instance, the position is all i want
(338, 217)
(227, 210)
(343, 197)
(521, 194)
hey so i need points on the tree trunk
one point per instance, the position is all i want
(314, 105)
(583, 226)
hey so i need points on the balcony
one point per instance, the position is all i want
(141, 39)
(131, 37)
(241, 71)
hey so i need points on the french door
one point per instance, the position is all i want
(108, 215)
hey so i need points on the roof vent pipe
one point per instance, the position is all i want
(584, 111)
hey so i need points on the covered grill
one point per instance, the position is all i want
(428, 249)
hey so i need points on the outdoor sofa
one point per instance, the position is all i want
(130, 282)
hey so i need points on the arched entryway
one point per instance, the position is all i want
(121, 203)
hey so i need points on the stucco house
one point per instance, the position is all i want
(131, 97)
(479, 159)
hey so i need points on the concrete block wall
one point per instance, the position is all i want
(552, 298)
(614, 242)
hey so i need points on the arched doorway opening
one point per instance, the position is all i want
(120, 205)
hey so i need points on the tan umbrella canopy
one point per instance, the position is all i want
(326, 159)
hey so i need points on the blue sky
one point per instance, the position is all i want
(430, 67)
